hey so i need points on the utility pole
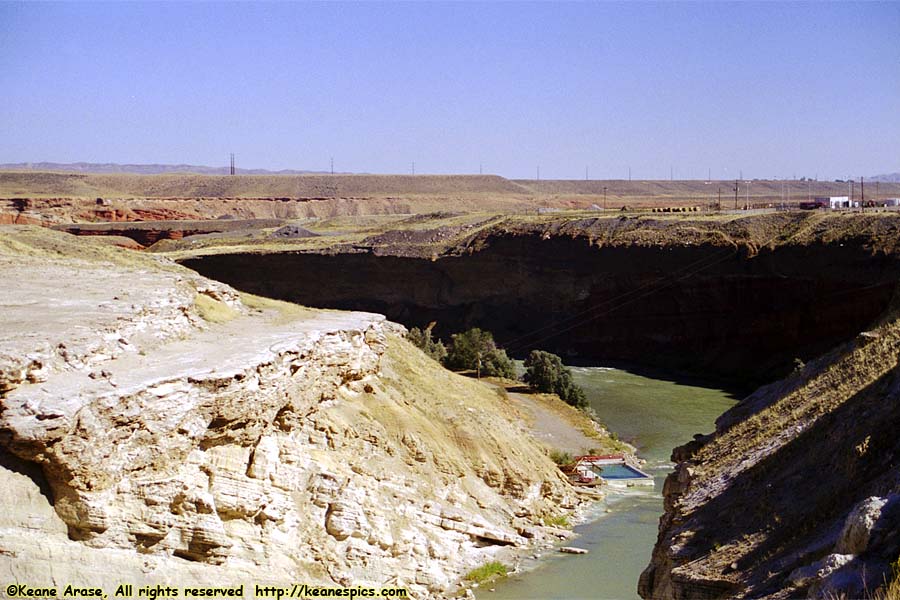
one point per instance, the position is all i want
(708, 175)
(332, 165)
(232, 163)
(585, 173)
(671, 173)
(748, 193)
(414, 168)
(480, 170)
(719, 203)
(604, 197)
(862, 194)
(629, 173)
(736, 189)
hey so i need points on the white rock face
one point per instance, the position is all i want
(859, 526)
(805, 575)
(263, 449)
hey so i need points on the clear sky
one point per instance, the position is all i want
(772, 89)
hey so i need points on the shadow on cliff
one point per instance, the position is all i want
(701, 309)
(28, 469)
(799, 496)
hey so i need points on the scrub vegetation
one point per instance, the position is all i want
(487, 572)
(561, 521)
(213, 310)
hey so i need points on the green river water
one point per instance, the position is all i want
(655, 415)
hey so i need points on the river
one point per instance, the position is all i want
(655, 415)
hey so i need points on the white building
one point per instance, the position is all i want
(837, 202)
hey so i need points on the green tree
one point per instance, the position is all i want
(421, 338)
(545, 372)
(475, 349)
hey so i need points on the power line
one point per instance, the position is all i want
(512, 342)
(652, 288)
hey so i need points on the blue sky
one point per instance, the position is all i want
(770, 89)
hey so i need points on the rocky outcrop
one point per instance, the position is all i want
(796, 493)
(150, 438)
(149, 232)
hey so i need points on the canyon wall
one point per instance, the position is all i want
(797, 493)
(729, 310)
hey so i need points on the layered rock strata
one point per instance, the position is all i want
(156, 428)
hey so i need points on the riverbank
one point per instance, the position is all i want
(559, 426)
(560, 429)
(656, 415)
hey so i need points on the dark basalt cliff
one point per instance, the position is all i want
(705, 308)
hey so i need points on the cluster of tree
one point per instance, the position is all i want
(422, 339)
(475, 350)
(472, 350)
(545, 372)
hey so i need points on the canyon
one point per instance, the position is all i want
(793, 494)
(797, 491)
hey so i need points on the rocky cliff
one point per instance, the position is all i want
(739, 298)
(797, 493)
(158, 427)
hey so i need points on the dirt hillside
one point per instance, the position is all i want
(85, 185)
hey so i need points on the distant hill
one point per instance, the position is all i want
(32, 183)
(107, 168)
(888, 178)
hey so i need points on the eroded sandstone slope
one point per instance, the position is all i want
(158, 427)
